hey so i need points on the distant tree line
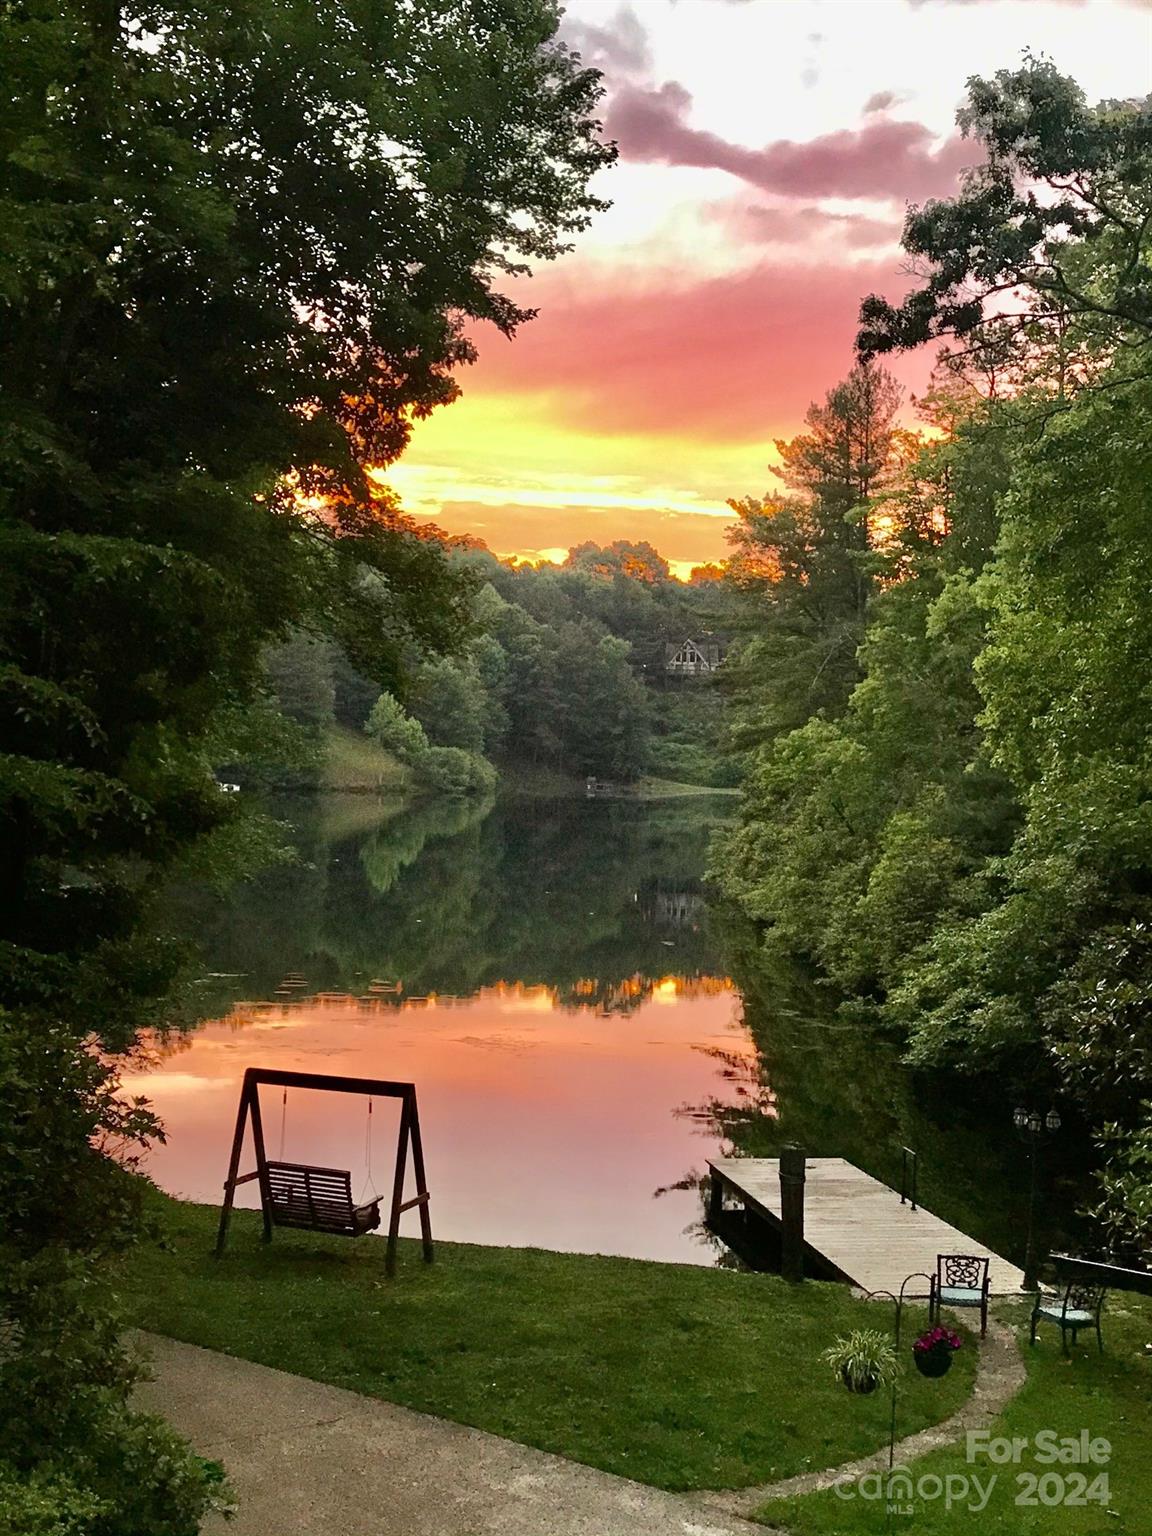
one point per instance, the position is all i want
(562, 667)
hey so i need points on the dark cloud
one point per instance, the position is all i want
(619, 47)
(882, 159)
(881, 101)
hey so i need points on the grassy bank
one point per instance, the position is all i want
(354, 764)
(680, 1376)
(649, 788)
(523, 779)
(1109, 1396)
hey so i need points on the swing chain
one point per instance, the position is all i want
(369, 1182)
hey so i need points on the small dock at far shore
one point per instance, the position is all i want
(855, 1228)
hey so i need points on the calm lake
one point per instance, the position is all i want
(541, 969)
(583, 1030)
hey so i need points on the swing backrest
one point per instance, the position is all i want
(317, 1199)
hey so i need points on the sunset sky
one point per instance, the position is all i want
(767, 150)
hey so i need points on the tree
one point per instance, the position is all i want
(448, 700)
(1047, 244)
(638, 561)
(800, 565)
(857, 833)
(1066, 718)
(244, 241)
(301, 673)
(394, 731)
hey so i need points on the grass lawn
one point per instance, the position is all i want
(679, 1376)
(1110, 1396)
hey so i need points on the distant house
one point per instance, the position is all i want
(692, 658)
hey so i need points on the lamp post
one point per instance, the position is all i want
(1034, 1131)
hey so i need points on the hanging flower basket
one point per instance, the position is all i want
(933, 1351)
(860, 1384)
(863, 1361)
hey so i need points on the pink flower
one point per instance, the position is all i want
(937, 1338)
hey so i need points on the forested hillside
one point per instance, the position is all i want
(557, 667)
(946, 642)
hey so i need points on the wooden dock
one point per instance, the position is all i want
(856, 1227)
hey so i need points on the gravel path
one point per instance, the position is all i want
(999, 1376)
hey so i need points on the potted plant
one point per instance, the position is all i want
(933, 1351)
(863, 1360)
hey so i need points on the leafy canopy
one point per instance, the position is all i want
(1049, 238)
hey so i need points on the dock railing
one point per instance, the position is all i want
(909, 1164)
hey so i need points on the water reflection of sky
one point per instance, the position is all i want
(550, 1116)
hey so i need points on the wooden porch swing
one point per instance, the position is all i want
(316, 1199)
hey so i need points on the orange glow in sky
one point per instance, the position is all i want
(767, 152)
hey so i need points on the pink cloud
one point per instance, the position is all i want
(881, 159)
(735, 358)
(881, 101)
(799, 223)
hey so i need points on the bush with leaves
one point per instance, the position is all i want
(393, 730)
(452, 771)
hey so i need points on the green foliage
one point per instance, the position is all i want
(244, 243)
(1072, 260)
(448, 700)
(864, 1359)
(962, 840)
(690, 736)
(395, 731)
(1123, 1212)
(800, 566)
(559, 667)
(300, 673)
(47, 1505)
(452, 771)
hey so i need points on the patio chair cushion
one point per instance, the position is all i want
(961, 1295)
(1073, 1317)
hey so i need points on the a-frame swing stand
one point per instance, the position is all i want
(324, 1213)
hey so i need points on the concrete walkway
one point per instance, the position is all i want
(311, 1460)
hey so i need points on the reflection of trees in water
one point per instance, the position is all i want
(749, 1104)
(397, 844)
(449, 897)
(698, 1229)
(624, 996)
(836, 1086)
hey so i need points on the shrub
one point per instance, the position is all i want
(452, 771)
(395, 731)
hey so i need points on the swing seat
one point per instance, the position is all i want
(317, 1200)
